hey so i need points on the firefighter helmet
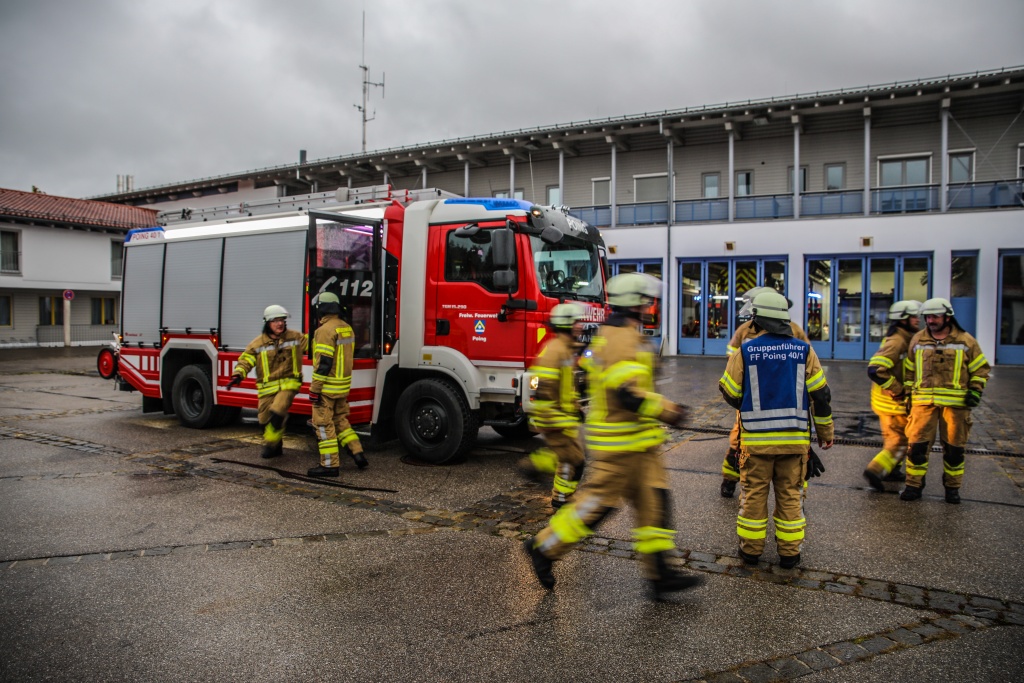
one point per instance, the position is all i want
(770, 304)
(748, 298)
(274, 312)
(564, 316)
(326, 298)
(902, 310)
(633, 289)
(936, 306)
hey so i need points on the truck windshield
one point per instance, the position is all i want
(570, 268)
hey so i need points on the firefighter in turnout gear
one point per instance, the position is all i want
(889, 394)
(773, 381)
(277, 357)
(623, 436)
(730, 464)
(333, 347)
(556, 406)
(947, 372)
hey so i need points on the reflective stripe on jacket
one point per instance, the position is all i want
(556, 402)
(746, 331)
(943, 370)
(278, 362)
(333, 347)
(888, 366)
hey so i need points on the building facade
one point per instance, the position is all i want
(60, 267)
(845, 200)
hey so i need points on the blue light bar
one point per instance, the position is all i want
(493, 203)
(139, 234)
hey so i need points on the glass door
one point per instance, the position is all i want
(716, 307)
(691, 311)
(653, 322)
(1010, 348)
(849, 321)
(881, 297)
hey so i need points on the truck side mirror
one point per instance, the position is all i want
(503, 249)
(551, 235)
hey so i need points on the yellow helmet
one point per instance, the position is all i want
(770, 304)
(565, 315)
(633, 289)
(902, 310)
(936, 306)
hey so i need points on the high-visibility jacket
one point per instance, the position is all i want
(941, 371)
(278, 362)
(886, 371)
(746, 331)
(557, 401)
(624, 409)
(333, 348)
(772, 381)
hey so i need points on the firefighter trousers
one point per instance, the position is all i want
(758, 474)
(953, 426)
(276, 404)
(333, 431)
(562, 456)
(731, 463)
(894, 443)
(640, 478)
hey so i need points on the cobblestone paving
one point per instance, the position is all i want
(521, 512)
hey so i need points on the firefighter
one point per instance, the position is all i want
(557, 407)
(730, 465)
(277, 356)
(623, 436)
(773, 381)
(333, 346)
(947, 372)
(888, 393)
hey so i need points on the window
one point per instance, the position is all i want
(116, 259)
(1020, 161)
(911, 171)
(503, 194)
(103, 311)
(835, 177)
(10, 256)
(710, 184)
(744, 183)
(961, 167)
(553, 195)
(51, 310)
(468, 259)
(602, 191)
(803, 179)
(6, 311)
(650, 188)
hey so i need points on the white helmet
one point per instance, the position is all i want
(770, 304)
(748, 299)
(273, 312)
(902, 310)
(633, 289)
(566, 315)
(936, 306)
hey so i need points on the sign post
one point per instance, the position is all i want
(68, 296)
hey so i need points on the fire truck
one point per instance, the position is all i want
(448, 298)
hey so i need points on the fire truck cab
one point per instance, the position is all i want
(448, 298)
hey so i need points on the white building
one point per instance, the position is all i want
(60, 261)
(903, 191)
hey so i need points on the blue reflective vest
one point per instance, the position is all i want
(775, 404)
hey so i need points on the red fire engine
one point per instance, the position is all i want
(448, 298)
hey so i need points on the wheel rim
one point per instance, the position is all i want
(429, 423)
(106, 364)
(192, 399)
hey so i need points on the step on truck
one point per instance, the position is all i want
(448, 298)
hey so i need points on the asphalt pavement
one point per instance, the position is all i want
(133, 548)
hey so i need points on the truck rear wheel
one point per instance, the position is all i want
(434, 421)
(192, 397)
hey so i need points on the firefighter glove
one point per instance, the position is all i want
(674, 414)
(314, 398)
(972, 398)
(235, 381)
(814, 465)
(908, 402)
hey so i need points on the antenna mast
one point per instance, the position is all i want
(366, 86)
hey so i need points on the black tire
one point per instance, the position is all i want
(192, 397)
(519, 431)
(434, 422)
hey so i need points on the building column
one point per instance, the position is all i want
(732, 175)
(867, 161)
(611, 188)
(796, 165)
(561, 177)
(511, 176)
(465, 191)
(424, 177)
(944, 175)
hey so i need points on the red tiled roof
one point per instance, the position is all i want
(86, 212)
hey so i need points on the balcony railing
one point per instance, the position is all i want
(887, 200)
(54, 334)
(10, 261)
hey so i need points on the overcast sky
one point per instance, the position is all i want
(172, 90)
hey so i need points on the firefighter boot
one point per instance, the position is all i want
(874, 481)
(541, 564)
(952, 496)
(749, 559)
(321, 471)
(910, 493)
(789, 561)
(730, 473)
(273, 437)
(896, 475)
(669, 580)
(728, 488)
(357, 455)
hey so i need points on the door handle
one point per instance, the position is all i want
(442, 327)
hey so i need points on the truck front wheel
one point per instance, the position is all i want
(434, 421)
(192, 396)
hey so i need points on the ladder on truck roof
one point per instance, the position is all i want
(307, 202)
